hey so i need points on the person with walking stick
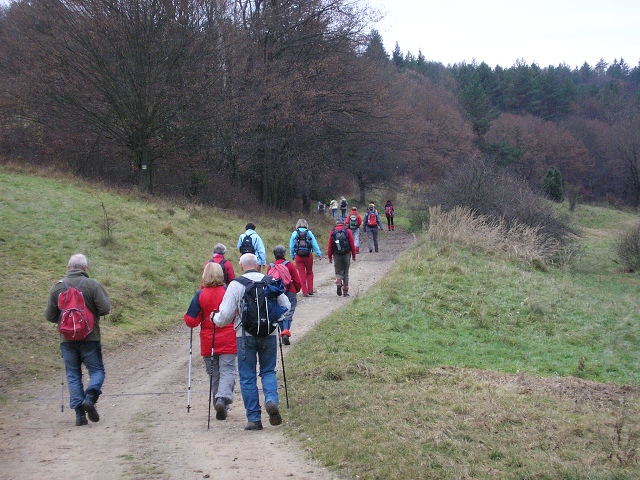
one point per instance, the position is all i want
(217, 344)
(87, 350)
(253, 351)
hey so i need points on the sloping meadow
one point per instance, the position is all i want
(463, 364)
(148, 253)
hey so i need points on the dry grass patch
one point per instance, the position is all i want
(516, 240)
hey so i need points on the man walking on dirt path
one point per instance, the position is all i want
(87, 351)
(340, 251)
(253, 351)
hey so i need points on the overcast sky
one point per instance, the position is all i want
(500, 32)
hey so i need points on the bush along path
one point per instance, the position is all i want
(145, 431)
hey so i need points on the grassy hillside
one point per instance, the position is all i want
(151, 267)
(464, 365)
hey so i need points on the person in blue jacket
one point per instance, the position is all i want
(255, 246)
(303, 256)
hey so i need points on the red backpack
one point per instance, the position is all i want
(371, 220)
(279, 271)
(76, 320)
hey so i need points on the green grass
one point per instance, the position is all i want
(463, 365)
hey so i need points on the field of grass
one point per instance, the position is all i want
(465, 365)
(459, 364)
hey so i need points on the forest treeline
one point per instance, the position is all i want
(291, 101)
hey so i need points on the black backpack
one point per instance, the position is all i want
(343, 203)
(224, 270)
(247, 245)
(261, 311)
(341, 241)
(302, 243)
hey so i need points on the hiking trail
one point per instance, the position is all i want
(145, 431)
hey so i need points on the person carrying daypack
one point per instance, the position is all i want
(254, 349)
(78, 351)
(389, 212)
(353, 221)
(253, 245)
(341, 249)
(304, 261)
(285, 271)
(372, 224)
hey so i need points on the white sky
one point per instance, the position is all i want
(500, 32)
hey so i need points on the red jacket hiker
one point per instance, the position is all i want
(295, 284)
(331, 245)
(203, 303)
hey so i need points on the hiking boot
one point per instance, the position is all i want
(274, 414)
(345, 294)
(81, 417)
(339, 290)
(89, 406)
(285, 340)
(310, 294)
(221, 408)
(253, 426)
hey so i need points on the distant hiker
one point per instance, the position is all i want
(343, 207)
(372, 224)
(341, 249)
(321, 207)
(334, 208)
(87, 351)
(253, 351)
(353, 222)
(389, 212)
(303, 254)
(222, 365)
(292, 285)
(250, 242)
(219, 252)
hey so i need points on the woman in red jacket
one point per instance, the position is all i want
(222, 364)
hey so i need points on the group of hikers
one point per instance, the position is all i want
(220, 308)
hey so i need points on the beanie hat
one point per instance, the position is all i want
(340, 221)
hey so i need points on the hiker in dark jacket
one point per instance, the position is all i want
(341, 260)
(87, 351)
(372, 224)
(292, 289)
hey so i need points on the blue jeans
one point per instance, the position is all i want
(288, 318)
(74, 354)
(251, 351)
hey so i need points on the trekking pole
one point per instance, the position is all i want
(213, 336)
(189, 384)
(62, 387)
(284, 373)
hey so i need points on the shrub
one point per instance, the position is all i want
(628, 248)
(489, 191)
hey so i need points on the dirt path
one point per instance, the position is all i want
(145, 430)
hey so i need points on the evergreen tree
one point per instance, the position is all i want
(552, 185)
